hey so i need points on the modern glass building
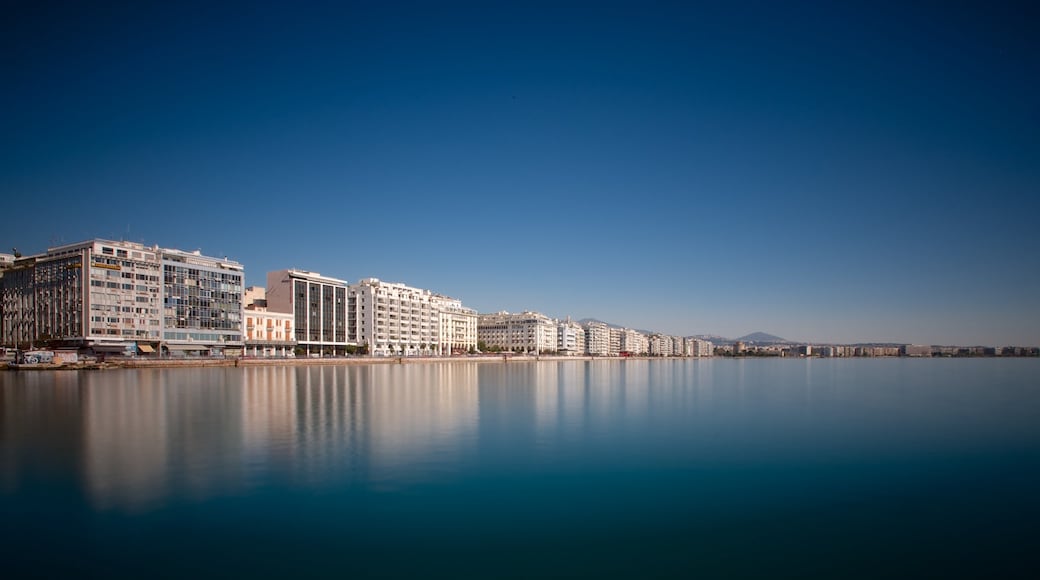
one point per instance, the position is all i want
(202, 304)
(319, 308)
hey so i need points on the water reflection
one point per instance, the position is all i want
(135, 439)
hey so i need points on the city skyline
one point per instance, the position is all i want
(829, 174)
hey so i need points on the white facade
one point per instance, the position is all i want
(530, 332)
(616, 336)
(703, 348)
(394, 319)
(597, 339)
(457, 328)
(634, 342)
(570, 338)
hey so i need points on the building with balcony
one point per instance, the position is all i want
(634, 342)
(597, 339)
(570, 338)
(529, 332)
(104, 296)
(202, 304)
(457, 332)
(318, 305)
(394, 319)
(267, 334)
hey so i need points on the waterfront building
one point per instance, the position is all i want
(597, 339)
(6, 261)
(104, 296)
(319, 308)
(267, 334)
(614, 346)
(660, 345)
(634, 342)
(457, 326)
(395, 319)
(523, 332)
(703, 347)
(570, 338)
(917, 350)
(202, 304)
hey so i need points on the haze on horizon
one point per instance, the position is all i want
(850, 173)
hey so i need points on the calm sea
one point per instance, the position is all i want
(866, 468)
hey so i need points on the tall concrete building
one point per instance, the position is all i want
(104, 296)
(597, 339)
(634, 342)
(530, 332)
(319, 308)
(202, 303)
(570, 338)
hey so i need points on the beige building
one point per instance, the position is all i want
(457, 326)
(267, 334)
(529, 332)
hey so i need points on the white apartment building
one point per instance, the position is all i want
(634, 342)
(597, 339)
(570, 338)
(457, 326)
(393, 319)
(267, 334)
(531, 332)
(319, 308)
(614, 345)
(703, 348)
(660, 345)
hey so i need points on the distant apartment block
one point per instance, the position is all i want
(702, 348)
(108, 296)
(597, 339)
(659, 345)
(267, 334)
(917, 350)
(318, 305)
(634, 342)
(523, 332)
(614, 346)
(570, 338)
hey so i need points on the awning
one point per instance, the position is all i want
(145, 348)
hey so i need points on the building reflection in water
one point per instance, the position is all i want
(139, 437)
(197, 433)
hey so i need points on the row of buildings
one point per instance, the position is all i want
(124, 298)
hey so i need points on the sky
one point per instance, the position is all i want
(826, 172)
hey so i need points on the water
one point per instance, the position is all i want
(686, 468)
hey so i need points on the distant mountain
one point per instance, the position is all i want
(713, 338)
(762, 338)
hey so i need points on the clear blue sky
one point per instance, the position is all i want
(823, 171)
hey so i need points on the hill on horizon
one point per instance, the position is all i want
(762, 338)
